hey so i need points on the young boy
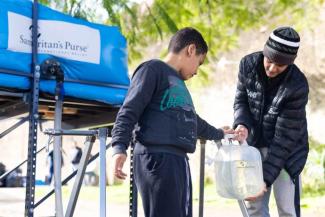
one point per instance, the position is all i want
(159, 103)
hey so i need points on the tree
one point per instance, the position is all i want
(220, 21)
(77, 8)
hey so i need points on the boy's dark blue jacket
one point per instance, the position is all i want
(161, 106)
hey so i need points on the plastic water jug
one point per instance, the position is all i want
(238, 170)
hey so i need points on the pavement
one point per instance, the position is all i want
(12, 204)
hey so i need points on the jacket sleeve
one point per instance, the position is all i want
(206, 131)
(242, 114)
(142, 87)
(288, 128)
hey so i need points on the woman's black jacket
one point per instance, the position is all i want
(281, 124)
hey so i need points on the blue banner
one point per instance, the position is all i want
(86, 51)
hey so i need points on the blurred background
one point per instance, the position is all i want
(232, 29)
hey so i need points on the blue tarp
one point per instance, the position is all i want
(14, 81)
(112, 96)
(86, 51)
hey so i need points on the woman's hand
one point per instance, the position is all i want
(260, 194)
(241, 133)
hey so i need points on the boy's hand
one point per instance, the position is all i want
(241, 133)
(227, 130)
(118, 161)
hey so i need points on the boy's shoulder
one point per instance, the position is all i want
(154, 63)
(253, 57)
(155, 66)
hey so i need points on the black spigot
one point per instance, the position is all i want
(51, 69)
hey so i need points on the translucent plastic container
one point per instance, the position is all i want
(238, 170)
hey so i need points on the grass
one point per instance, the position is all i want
(119, 194)
(114, 194)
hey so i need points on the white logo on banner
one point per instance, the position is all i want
(58, 38)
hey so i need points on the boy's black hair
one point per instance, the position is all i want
(185, 37)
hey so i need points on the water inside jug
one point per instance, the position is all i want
(238, 170)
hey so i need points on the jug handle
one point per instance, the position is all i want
(229, 139)
(229, 136)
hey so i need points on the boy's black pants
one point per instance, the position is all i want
(164, 183)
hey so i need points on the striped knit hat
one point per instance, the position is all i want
(282, 46)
